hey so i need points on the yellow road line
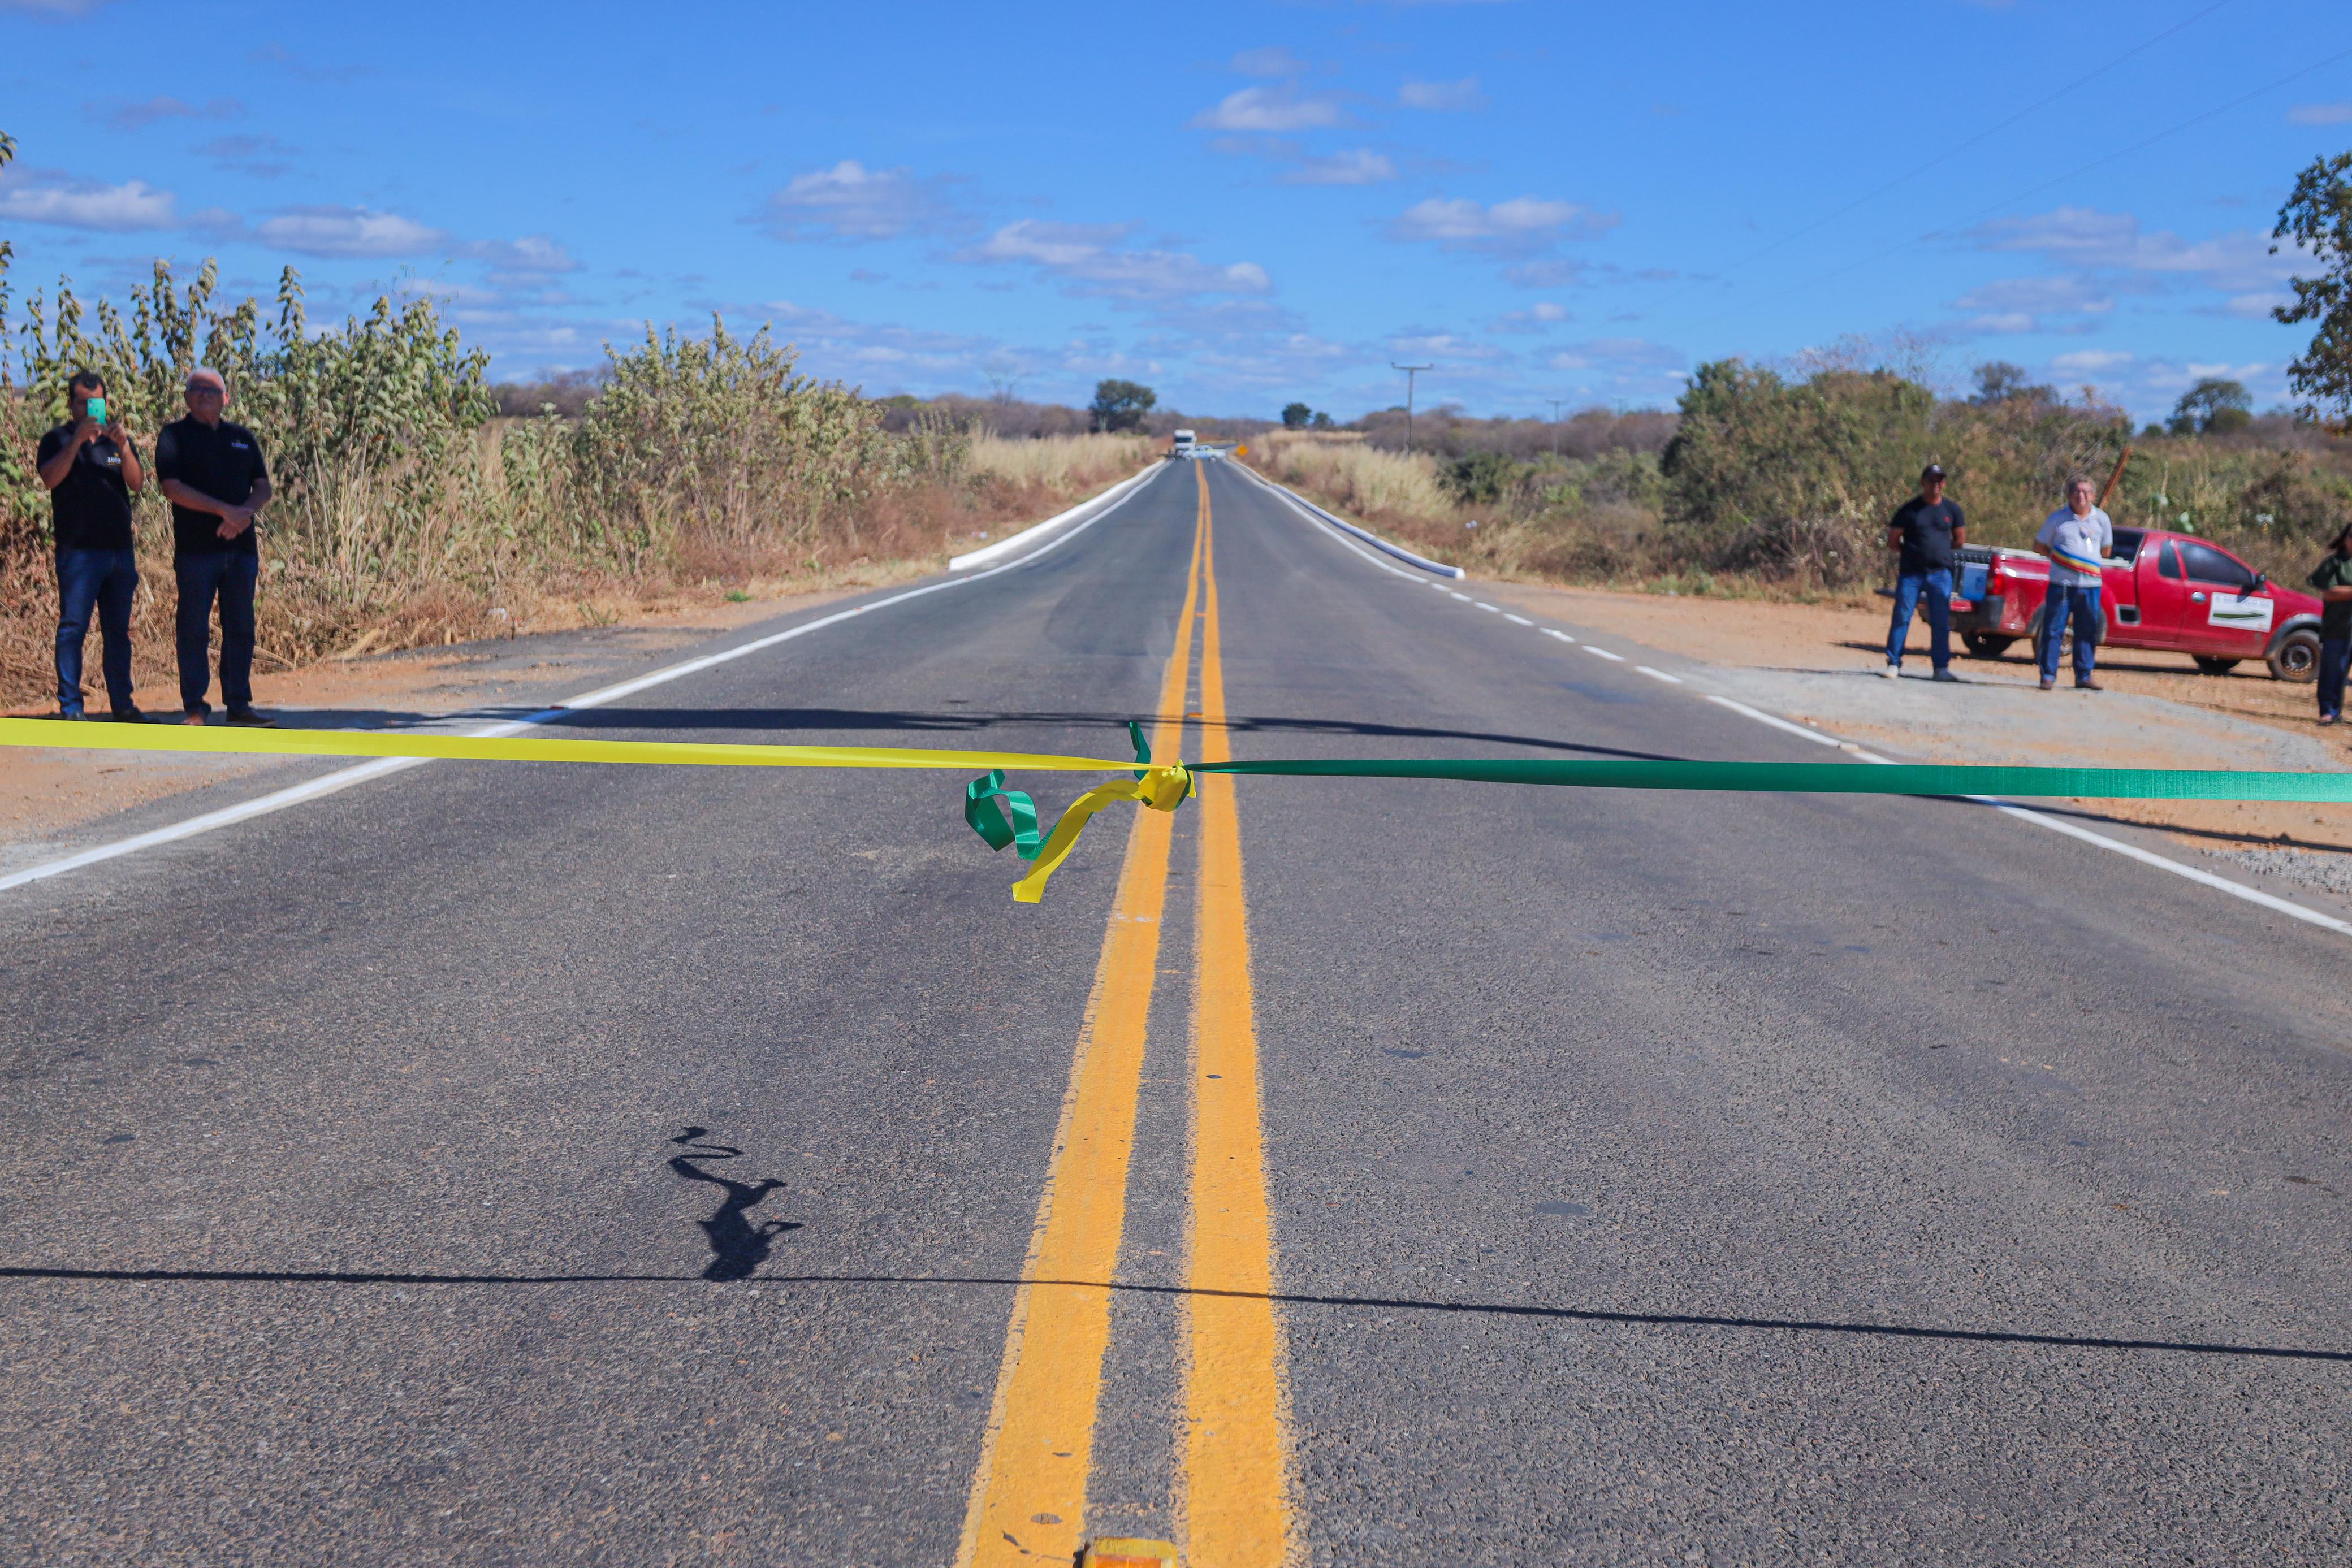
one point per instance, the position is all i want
(1237, 1491)
(1029, 1493)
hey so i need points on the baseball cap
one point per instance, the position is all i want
(1933, 471)
(200, 377)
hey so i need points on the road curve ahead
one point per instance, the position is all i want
(505, 1164)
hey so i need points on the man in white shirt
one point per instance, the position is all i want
(2076, 538)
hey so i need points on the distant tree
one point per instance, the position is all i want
(2214, 406)
(1121, 405)
(1295, 415)
(2317, 216)
(1322, 422)
(1998, 380)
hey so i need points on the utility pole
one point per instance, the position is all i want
(1556, 403)
(1410, 371)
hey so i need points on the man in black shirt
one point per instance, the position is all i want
(89, 468)
(1928, 530)
(213, 472)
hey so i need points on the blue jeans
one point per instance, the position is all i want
(2081, 605)
(232, 578)
(103, 580)
(2335, 659)
(1932, 589)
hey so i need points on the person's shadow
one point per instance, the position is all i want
(737, 1246)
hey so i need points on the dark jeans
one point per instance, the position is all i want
(1933, 589)
(103, 580)
(232, 577)
(2334, 658)
(2080, 604)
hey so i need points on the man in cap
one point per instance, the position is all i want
(2077, 539)
(90, 469)
(1926, 529)
(212, 471)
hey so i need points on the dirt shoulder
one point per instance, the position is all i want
(1819, 662)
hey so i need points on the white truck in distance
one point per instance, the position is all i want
(1183, 446)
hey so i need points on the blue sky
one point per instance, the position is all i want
(1240, 204)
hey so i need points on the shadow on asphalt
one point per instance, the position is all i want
(1385, 1303)
(737, 1246)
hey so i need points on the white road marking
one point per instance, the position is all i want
(1462, 597)
(1554, 632)
(1617, 658)
(1517, 619)
(1660, 675)
(344, 777)
(1486, 606)
(2042, 820)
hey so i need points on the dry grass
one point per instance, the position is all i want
(1060, 462)
(1357, 478)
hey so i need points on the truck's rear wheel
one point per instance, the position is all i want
(1984, 645)
(2212, 665)
(2295, 656)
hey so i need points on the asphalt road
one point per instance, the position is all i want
(499, 1164)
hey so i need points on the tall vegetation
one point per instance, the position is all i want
(2317, 216)
(407, 509)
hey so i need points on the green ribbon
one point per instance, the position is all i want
(1839, 777)
(990, 821)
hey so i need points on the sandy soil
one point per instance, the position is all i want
(1819, 662)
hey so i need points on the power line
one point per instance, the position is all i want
(1946, 156)
(2025, 195)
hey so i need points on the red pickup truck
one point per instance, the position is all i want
(2165, 591)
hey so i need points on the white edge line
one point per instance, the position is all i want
(1556, 631)
(987, 553)
(1331, 519)
(2042, 820)
(344, 777)
(1617, 658)
(1517, 619)
(1660, 675)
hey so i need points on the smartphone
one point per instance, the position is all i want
(98, 409)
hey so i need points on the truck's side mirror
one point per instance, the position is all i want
(2262, 580)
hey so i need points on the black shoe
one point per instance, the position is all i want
(2048, 681)
(251, 718)
(73, 715)
(1947, 675)
(127, 714)
(2087, 684)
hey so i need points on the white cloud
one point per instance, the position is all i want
(851, 202)
(1536, 317)
(84, 204)
(1269, 109)
(1444, 346)
(1360, 167)
(2086, 237)
(2091, 362)
(262, 156)
(2059, 303)
(349, 232)
(139, 116)
(532, 256)
(1620, 354)
(1270, 61)
(2320, 114)
(1442, 94)
(1095, 260)
(1519, 226)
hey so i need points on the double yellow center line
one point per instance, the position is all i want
(1029, 1497)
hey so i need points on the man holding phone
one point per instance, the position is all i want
(212, 470)
(90, 469)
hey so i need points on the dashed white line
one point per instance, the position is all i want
(1556, 631)
(1517, 619)
(1815, 736)
(1616, 658)
(1660, 675)
(1489, 608)
(1462, 597)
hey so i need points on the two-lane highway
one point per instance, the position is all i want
(516, 1164)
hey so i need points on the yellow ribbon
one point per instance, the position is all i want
(102, 737)
(1162, 787)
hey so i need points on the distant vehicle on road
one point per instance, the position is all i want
(1185, 445)
(2162, 591)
